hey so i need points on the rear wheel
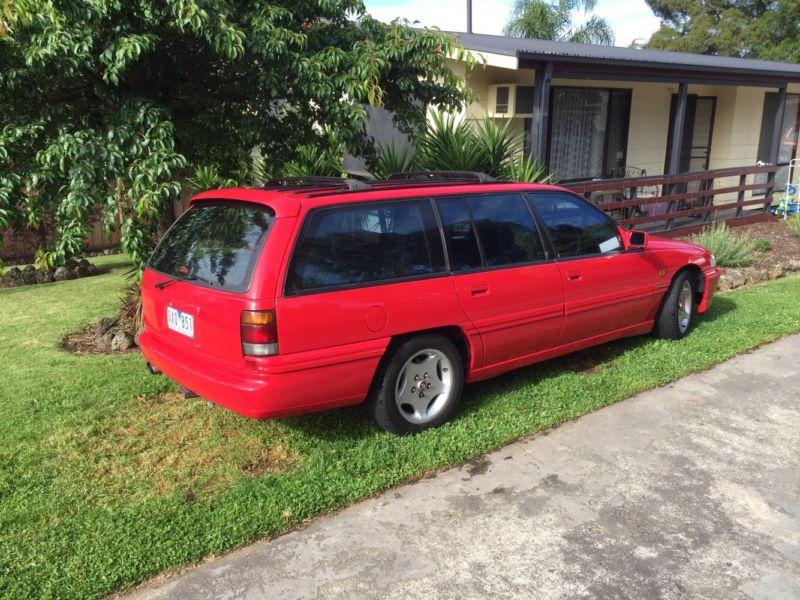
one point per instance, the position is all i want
(418, 385)
(676, 314)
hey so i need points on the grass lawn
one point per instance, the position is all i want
(108, 476)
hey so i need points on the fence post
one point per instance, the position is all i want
(769, 190)
(740, 194)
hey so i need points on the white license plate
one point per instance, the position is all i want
(180, 321)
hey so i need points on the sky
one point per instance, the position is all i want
(630, 19)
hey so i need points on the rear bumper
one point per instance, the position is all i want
(712, 278)
(261, 395)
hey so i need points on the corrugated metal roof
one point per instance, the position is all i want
(591, 53)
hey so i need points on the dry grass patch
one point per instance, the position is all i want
(167, 444)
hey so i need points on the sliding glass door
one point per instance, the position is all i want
(787, 148)
(588, 133)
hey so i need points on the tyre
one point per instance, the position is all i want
(677, 311)
(418, 385)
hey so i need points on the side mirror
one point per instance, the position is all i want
(637, 240)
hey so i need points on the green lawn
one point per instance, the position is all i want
(108, 476)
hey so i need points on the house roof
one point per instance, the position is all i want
(572, 55)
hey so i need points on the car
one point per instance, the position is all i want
(317, 293)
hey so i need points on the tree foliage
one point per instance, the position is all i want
(766, 29)
(553, 20)
(106, 104)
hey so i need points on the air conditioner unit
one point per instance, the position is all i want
(507, 100)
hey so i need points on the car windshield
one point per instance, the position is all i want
(215, 244)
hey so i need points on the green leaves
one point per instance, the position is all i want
(106, 102)
(545, 20)
(766, 30)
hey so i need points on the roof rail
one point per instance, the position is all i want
(315, 181)
(439, 175)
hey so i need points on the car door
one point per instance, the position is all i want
(606, 288)
(507, 284)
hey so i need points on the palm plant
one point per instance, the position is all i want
(543, 20)
(484, 146)
(449, 144)
(393, 159)
(524, 168)
(498, 145)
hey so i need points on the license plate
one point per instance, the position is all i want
(180, 321)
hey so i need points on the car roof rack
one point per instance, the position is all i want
(441, 175)
(315, 181)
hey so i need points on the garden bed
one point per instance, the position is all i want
(30, 275)
(778, 256)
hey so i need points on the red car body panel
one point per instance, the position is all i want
(331, 343)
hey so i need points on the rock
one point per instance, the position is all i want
(755, 275)
(71, 264)
(82, 270)
(792, 264)
(104, 340)
(92, 270)
(14, 273)
(44, 276)
(122, 341)
(28, 277)
(736, 278)
(105, 324)
(62, 274)
(29, 269)
(775, 272)
(724, 283)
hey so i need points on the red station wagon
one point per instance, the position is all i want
(316, 293)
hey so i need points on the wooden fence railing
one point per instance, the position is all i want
(661, 201)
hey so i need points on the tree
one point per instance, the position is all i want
(105, 105)
(766, 29)
(543, 20)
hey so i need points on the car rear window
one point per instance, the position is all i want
(215, 244)
(360, 244)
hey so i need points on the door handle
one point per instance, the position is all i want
(573, 275)
(479, 290)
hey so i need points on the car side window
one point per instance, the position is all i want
(367, 243)
(506, 229)
(459, 234)
(575, 228)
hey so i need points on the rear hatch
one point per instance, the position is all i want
(203, 274)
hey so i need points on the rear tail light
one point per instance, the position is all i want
(259, 333)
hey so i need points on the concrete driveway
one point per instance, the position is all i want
(688, 491)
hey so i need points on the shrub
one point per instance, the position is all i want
(449, 143)
(731, 249)
(794, 224)
(762, 244)
(393, 159)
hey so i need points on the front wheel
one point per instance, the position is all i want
(675, 316)
(418, 385)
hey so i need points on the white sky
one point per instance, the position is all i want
(630, 19)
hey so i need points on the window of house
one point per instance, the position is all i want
(787, 148)
(575, 227)
(588, 132)
(367, 243)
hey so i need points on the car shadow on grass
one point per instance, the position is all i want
(352, 424)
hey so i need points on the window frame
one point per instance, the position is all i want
(303, 231)
(529, 197)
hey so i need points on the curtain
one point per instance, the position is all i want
(578, 132)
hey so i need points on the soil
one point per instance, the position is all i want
(86, 341)
(785, 242)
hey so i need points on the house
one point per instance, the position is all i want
(604, 113)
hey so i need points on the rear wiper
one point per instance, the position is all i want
(191, 277)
